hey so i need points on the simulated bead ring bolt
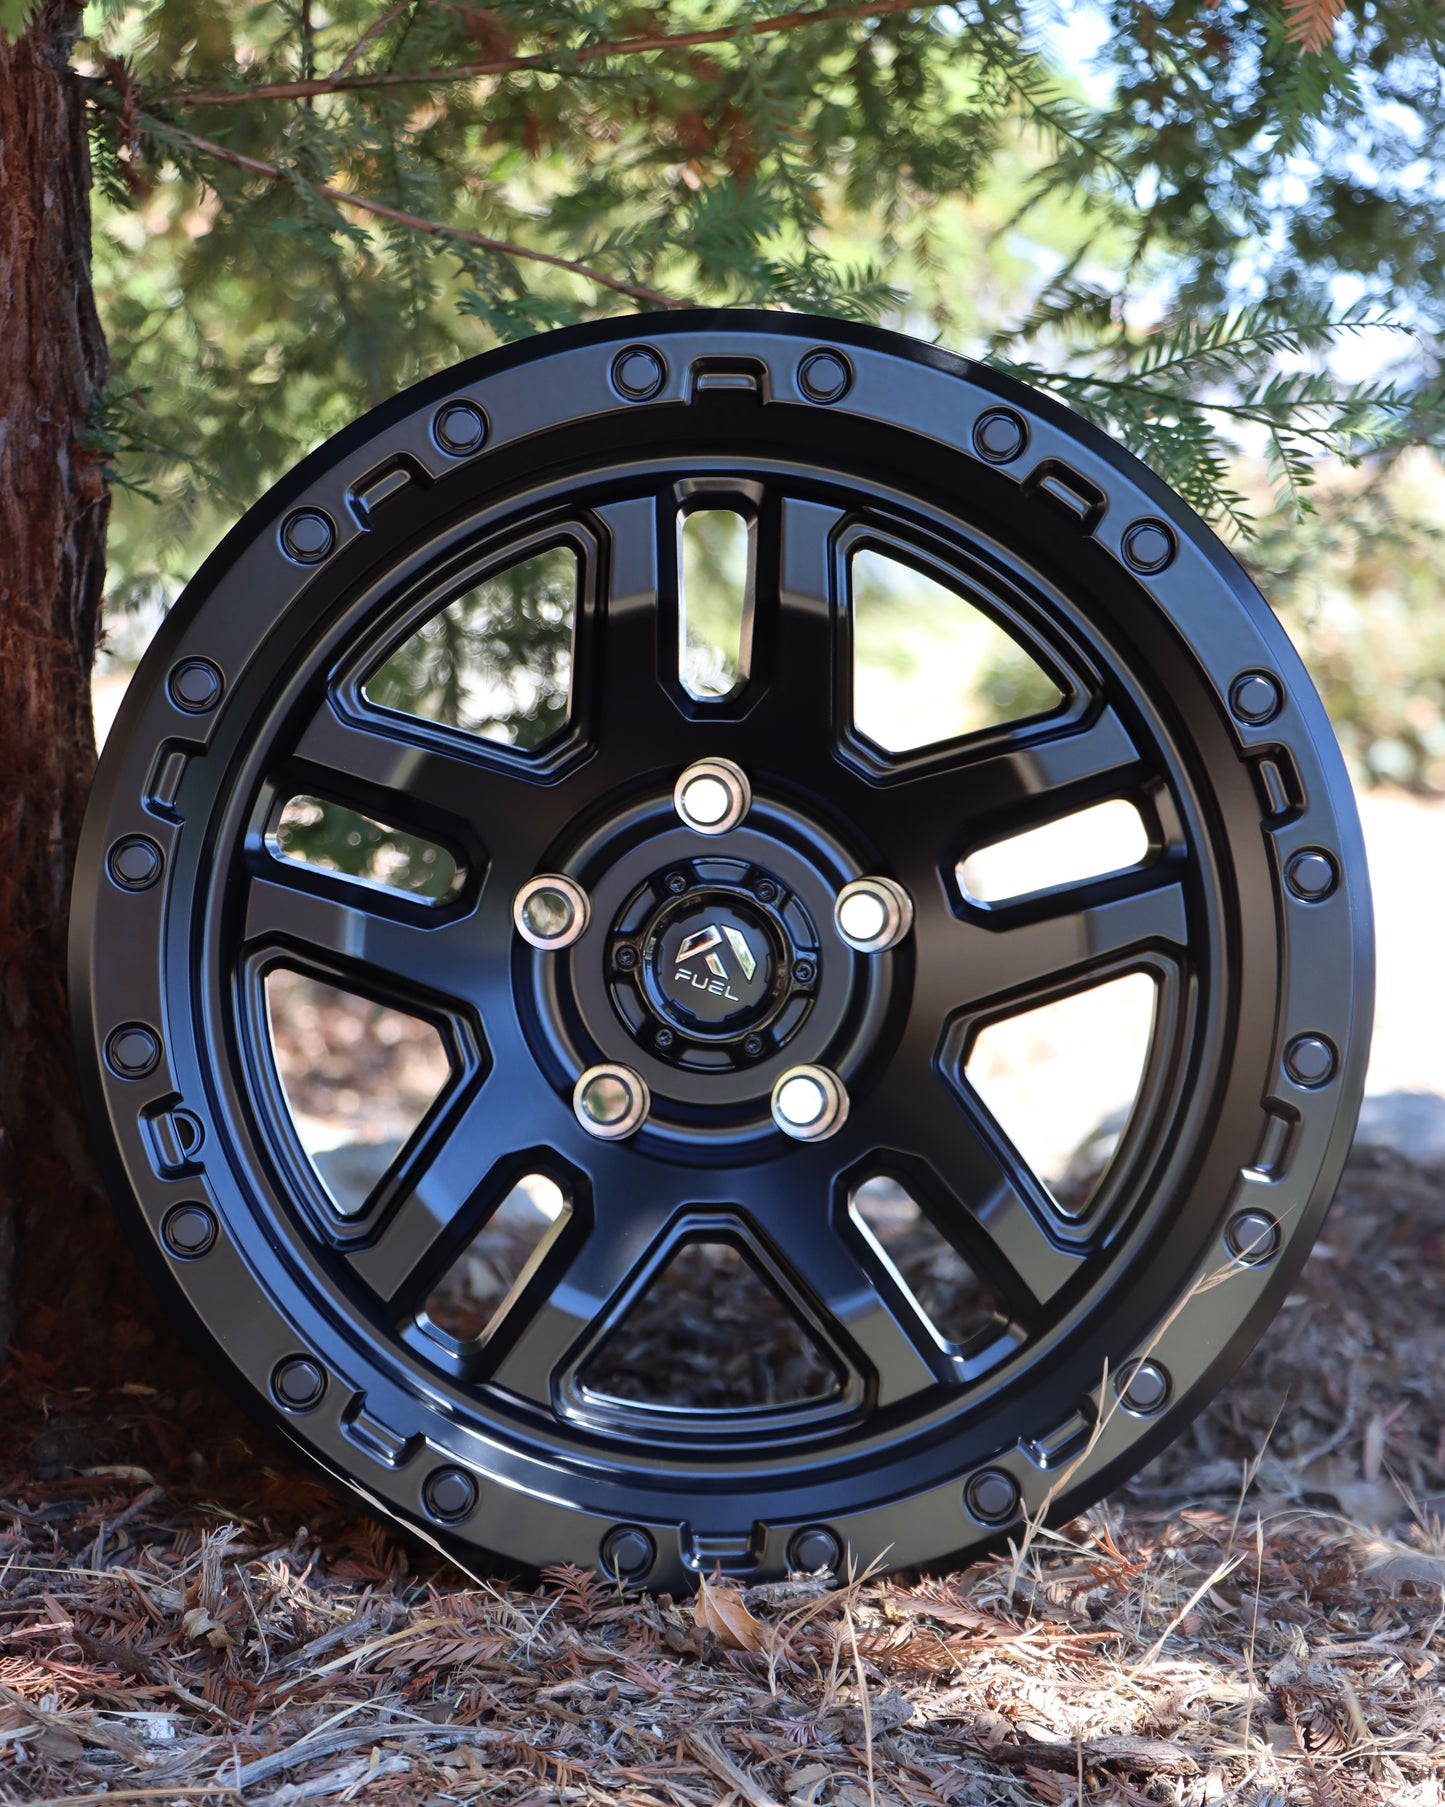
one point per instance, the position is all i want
(549, 971)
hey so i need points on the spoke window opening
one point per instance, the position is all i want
(358, 1078)
(711, 1334)
(497, 661)
(928, 666)
(714, 591)
(957, 1303)
(333, 838)
(1061, 1081)
(474, 1294)
(1091, 843)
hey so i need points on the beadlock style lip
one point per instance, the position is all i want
(1178, 688)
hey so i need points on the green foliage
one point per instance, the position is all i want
(252, 310)
(1275, 170)
(1164, 392)
(496, 661)
(928, 664)
(715, 553)
(336, 839)
(298, 214)
(1360, 595)
(15, 15)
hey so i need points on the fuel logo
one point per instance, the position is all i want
(705, 947)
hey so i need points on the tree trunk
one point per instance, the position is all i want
(58, 1245)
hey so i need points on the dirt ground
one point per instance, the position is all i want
(1260, 1618)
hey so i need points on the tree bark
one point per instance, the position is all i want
(58, 1245)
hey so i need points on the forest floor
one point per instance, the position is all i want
(184, 1616)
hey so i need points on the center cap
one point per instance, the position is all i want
(710, 962)
(713, 963)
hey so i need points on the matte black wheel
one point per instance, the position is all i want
(675, 1226)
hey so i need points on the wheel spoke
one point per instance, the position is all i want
(1014, 953)
(422, 958)
(413, 784)
(997, 1210)
(632, 701)
(864, 1310)
(472, 1147)
(995, 794)
(575, 1290)
(565, 1303)
(795, 636)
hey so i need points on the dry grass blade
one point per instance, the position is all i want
(865, 1706)
(718, 1763)
(1253, 1626)
(1220, 1572)
(215, 1791)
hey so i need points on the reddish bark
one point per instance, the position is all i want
(58, 1248)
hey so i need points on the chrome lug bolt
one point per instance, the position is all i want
(872, 914)
(712, 796)
(550, 911)
(809, 1103)
(611, 1102)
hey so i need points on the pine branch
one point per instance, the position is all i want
(1304, 415)
(1226, 343)
(1067, 301)
(340, 83)
(501, 247)
(1290, 469)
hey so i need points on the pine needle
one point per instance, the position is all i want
(1310, 24)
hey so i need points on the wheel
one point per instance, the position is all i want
(548, 989)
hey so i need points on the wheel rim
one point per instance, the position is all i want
(1176, 692)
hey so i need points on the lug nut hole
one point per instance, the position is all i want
(872, 914)
(611, 1102)
(550, 912)
(712, 796)
(809, 1103)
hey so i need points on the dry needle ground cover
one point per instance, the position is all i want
(185, 1617)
